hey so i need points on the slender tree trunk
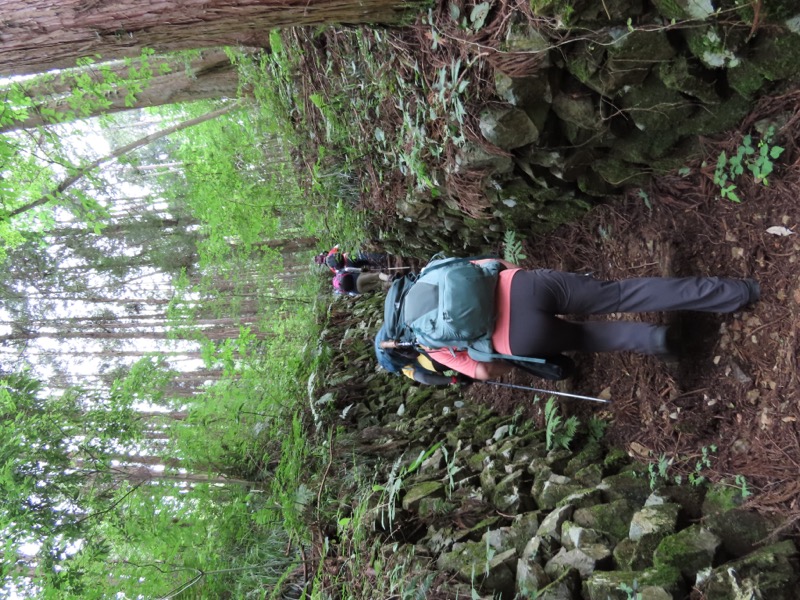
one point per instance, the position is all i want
(40, 35)
(211, 76)
(70, 181)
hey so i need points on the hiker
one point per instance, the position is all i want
(353, 283)
(527, 305)
(415, 365)
(336, 260)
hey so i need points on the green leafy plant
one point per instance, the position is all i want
(658, 471)
(558, 432)
(512, 248)
(704, 462)
(597, 428)
(631, 591)
(391, 491)
(742, 483)
(758, 159)
(452, 469)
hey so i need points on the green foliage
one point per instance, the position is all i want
(597, 428)
(512, 248)
(742, 483)
(391, 490)
(704, 462)
(631, 591)
(558, 432)
(759, 160)
(659, 472)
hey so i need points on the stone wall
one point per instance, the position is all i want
(503, 515)
(626, 89)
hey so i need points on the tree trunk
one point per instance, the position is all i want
(72, 179)
(211, 76)
(40, 35)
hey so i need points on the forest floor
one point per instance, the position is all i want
(735, 387)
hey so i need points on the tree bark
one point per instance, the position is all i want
(40, 35)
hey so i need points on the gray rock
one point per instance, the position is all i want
(574, 536)
(425, 489)
(507, 127)
(583, 562)
(473, 157)
(608, 585)
(626, 486)
(530, 578)
(741, 531)
(769, 572)
(566, 587)
(551, 525)
(523, 528)
(550, 491)
(506, 494)
(654, 521)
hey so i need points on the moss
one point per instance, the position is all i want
(745, 79)
(681, 76)
(615, 460)
(621, 173)
(721, 498)
(670, 9)
(777, 57)
(612, 519)
(716, 119)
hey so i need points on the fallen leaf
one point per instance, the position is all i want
(637, 448)
(605, 394)
(778, 230)
(789, 419)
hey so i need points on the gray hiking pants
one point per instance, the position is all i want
(538, 296)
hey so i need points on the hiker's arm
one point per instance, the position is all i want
(491, 370)
(428, 378)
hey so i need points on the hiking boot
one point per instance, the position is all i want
(754, 290)
(669, 344)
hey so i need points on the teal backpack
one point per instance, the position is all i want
(451, 304)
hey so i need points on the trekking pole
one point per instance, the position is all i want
(533, 389)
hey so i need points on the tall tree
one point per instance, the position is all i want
(125, 85)
(79, 173)
(52, 34)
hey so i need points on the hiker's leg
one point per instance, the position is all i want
(541, 334)
(569, 293)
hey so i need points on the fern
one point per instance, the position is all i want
(512, 247)
(558, 433)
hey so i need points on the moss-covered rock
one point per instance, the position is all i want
(741, 531)
(690, 550)
(611, 519)
(610, 585)
(770, 572)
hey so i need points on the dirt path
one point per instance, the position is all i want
(736, 385)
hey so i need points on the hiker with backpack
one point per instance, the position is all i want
(354, 283)
(476, 316)
(336, 260)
